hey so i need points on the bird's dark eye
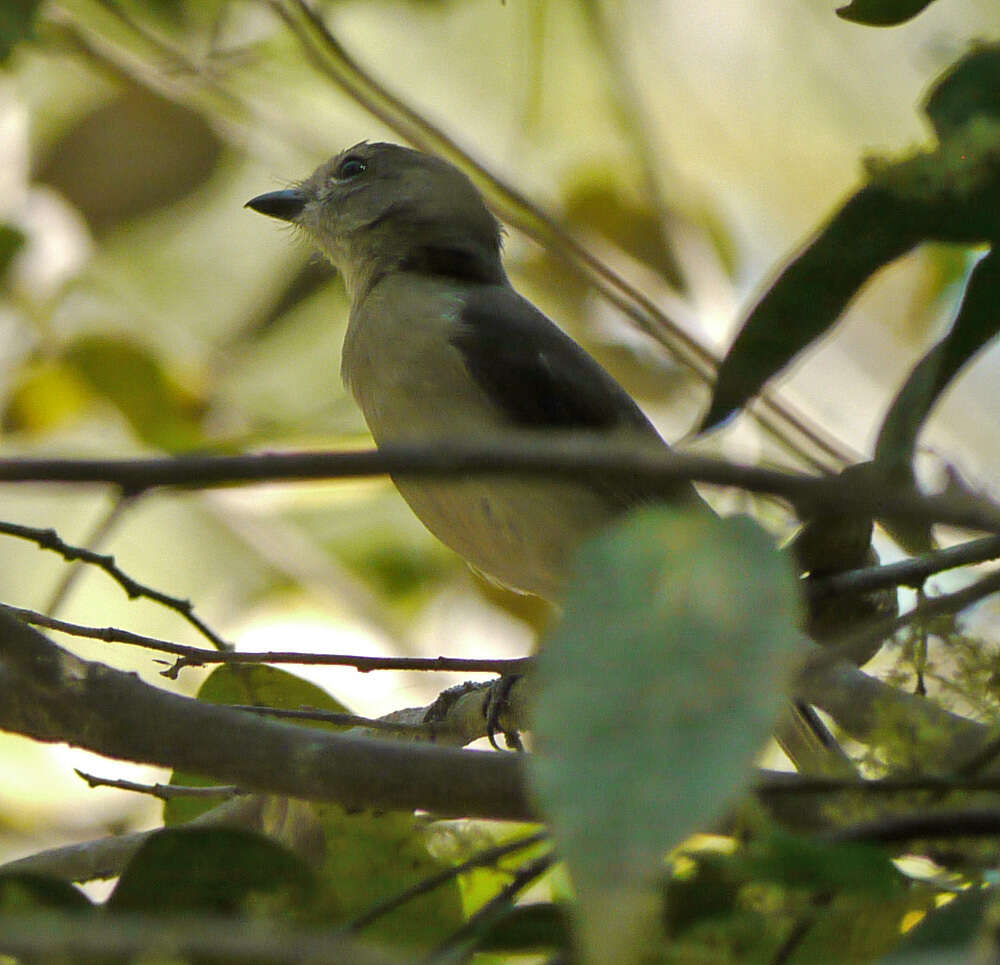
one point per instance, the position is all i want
(350, 168)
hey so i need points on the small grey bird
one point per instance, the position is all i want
(439, 346)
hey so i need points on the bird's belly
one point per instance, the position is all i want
(521, 533)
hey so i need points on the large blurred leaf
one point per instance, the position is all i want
(977, 323)
(17, 23)
(655, 692)
(595, 202)
(882, 13)
(950, 194)
(45, 394)
(867, 233)
(130, 377)
(205, 869)
(135, 154)
(527, 929)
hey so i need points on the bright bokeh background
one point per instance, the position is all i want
(148, 311)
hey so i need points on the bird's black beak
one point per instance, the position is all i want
(286, 205)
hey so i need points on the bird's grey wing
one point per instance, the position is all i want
(537, 376)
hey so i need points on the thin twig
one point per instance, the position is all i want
(97, 538)
(772, 784)
(198, 657)
(488, 856)
(491, 911)
(49, 539)
(165, 792)
(899, 828)
(912, 572)
(943, 605)
(331, 717)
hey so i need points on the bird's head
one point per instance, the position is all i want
(377, 208)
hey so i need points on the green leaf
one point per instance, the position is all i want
(977, 323)
(374, 857)
(132, 379)
(950, 194)
(872, 229)
(17, 23)
(255, 684)
(655, 692)
(213, 870)
(971, 88)
(882, 13)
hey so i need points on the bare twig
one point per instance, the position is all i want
(946, 604)
(97, 538)
(452, 951)
(49, 539)
(198, 657)
(488, 856)
(165, 792)
(790, 784)
(912, 572)
(900, 828)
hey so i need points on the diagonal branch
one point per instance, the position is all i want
(49, 539)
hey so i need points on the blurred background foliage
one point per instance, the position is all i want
(692, 147)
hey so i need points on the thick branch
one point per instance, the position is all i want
(49, 694)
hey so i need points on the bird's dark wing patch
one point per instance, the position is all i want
(534, 373)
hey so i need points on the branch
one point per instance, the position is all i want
(571, 455)
(865, 707)
(851, 645)
(913, 572)
(899, 828)
(51, 695)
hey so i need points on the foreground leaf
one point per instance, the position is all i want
(656, 691)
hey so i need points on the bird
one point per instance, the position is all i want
(440, 347)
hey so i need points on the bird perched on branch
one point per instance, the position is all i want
(440, 347)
